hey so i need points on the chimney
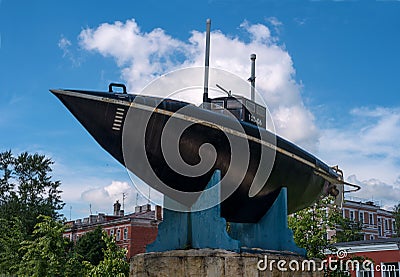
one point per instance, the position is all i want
(158, 212)
(117, 208)
(147, 207)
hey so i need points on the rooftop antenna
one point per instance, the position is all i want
(252, 78)
(90, 208)
(123, 200)
(137, 197)
(149, 196)
(207, 61)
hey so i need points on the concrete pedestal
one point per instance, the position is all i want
(218, 262)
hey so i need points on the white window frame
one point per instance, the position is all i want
(370, 218)
(360, 273)
(351, 212)
(125, 233)
(392, 273)
(118, 235)
(361, 217)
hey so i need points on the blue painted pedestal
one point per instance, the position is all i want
(207, 229)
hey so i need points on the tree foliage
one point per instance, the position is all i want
(11, 235)
(114, 263)
(348, 230)
(396, 215)
(310, 227)
(47, 253)
(31, 232)
(90, 246)
(26, 189)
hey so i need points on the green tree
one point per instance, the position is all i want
(11, 235)
(114, 263)
(396, 215)
(348, 230)
(47, 253)
(310, 227)
(90, 246)
(26, 189)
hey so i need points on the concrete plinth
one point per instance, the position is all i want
(218, 262)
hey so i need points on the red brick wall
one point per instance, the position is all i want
(140, 237)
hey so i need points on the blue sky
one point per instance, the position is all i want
(337, 63)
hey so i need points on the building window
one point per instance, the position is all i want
(125, 233)
(365, 272)
(380, 231)
(361, 216)
(118, 235)
(386, 224)
(111, 232)
(390, 269)
(371, 219)
(371, 237)
(394, 226)
(352, 215)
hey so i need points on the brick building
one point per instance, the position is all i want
(384, 253)
(377, 223)
(132, 231)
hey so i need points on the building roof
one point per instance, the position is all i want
(369, 242)
(369, 245)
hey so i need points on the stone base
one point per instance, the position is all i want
(218, 262)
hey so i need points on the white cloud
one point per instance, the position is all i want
(143, 56)
(374, 189)
(108, 194)
(276, 24)
(65, 45)
(368, 147)
(274, 21)
(102, 198)
(300, 21)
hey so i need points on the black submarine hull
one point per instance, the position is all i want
(104, 116)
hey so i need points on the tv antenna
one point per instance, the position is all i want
(123, 200)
